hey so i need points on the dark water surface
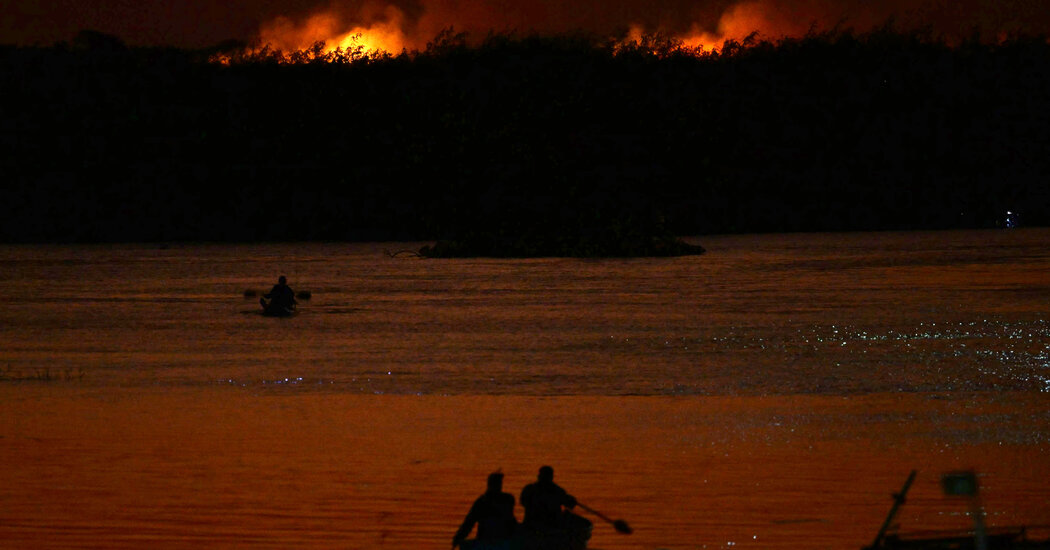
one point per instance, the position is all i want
(769, 394)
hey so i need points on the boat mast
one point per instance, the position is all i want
(898, 501)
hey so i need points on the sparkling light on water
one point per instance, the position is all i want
(769, 394)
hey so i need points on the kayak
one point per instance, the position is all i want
(271, 310)
(573, 536)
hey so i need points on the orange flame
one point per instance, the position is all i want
(385, 28)
(383, 35)
(736, 23)
(767, 20)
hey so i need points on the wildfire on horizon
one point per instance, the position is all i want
(393, 26)
(388, 29)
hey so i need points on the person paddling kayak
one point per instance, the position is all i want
(545, 502)
(281, 298)
(549, 521)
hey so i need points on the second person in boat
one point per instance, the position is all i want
(546, 503)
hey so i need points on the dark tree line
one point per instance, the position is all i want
(523, 139)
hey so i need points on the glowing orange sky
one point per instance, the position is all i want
(410, 23)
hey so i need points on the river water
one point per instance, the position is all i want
(772, 393)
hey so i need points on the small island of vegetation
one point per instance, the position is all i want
(531, 245)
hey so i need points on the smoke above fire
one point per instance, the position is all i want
(399, 25)
(372, 25)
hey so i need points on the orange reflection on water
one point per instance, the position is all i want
(224, 466)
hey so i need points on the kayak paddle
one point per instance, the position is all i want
(619, 524)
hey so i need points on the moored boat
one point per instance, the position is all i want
(958, 484)
(1011, 538)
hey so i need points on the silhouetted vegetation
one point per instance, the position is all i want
(523, 144)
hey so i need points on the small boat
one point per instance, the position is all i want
(960, 484)
(1003, 539)
(573, 536)
(269, 309)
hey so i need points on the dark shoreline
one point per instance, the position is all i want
(534, 136)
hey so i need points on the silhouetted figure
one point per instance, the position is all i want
(281, 297)
(493, 512)
(543, 502)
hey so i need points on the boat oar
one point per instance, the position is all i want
(619, 524)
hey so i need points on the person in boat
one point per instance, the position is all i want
(546, 504)
(281, 296)
(492, 512)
